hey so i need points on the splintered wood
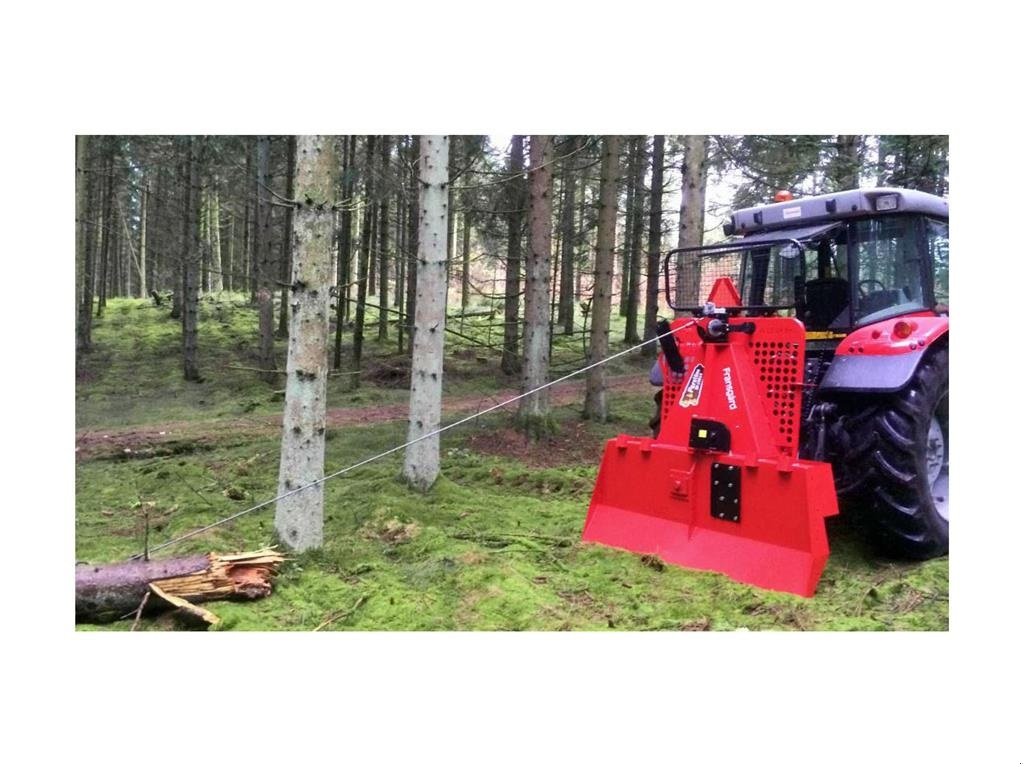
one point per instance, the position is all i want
(109, 592)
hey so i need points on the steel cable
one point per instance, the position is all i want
(391, 451)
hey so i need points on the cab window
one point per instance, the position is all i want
(889, 268)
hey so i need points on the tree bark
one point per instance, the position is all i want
(213, 230)
(412, 240)
(205, 242)
(691, 219)
(178, 262)
(248, 248)
(122, 282)
(157, 233)
(596, 403)
(106, 227)
(192, 262)
(362, 272)
(286, 241)
(86, 241)
(423, 460)
(401, 247)
(636, 246)
(229, 262)
(374, 208)
(143, 205)
(584, 240)
(299, 517)
(627, 244)
(382, 255)
(344, 246)
(515, 201)
(466, 229)
(264, 295)
(105, 593)
(566, 302)
(845, 170)
(534, 410)
(654, 242)
(453, 150)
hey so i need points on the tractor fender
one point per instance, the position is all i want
(876, 359)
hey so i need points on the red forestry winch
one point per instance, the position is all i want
(721, 487)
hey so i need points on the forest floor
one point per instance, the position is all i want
(494, 545)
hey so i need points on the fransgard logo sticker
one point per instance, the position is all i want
(693, 388)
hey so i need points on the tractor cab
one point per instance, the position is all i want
(835, 262)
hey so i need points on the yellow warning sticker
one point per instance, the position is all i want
(823, 335)
(702, 433)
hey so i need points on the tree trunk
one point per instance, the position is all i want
(178, 262)
(636, 246)
(556, 255)
(158, 247)
(691, 220)
(534, 410)
(371, 281)
(423, 460)
(204, 242)
(105, 593)
(362, 271)
(122, 275)
(299, 517)
(84, 199)
(371, 284)
(143, 205)
(401, 248)
(596, 404)
(213, 229)
(248, 246)
(412, 240)
(584, 240)
(566, 303)
(229, 263)
(453, 150)
(265, 278)
(192, 260)
(654, 242)
(466, 229)
(627, 244)
(515, 202)
(107, 227)
(382, 254)
(286, 241)
(846, 167)
(344, 246)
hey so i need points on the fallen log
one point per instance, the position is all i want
(105, 593)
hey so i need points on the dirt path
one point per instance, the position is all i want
(186, 436)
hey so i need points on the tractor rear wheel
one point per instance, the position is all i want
(891, 462)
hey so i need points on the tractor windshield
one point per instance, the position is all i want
(890, 267)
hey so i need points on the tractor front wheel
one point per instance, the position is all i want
(891, 462)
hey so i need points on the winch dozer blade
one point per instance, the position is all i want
(721, 487)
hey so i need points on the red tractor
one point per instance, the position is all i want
(817, 366)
